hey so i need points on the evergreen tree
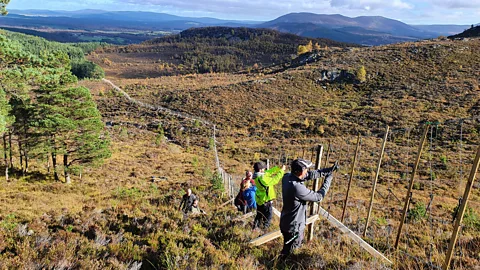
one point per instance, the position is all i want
(86, 142)
(3, 6)
(23, 110)
(5, 120)
(72, 126)
(53, 118)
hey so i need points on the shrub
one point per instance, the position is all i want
(443, 159)
(471, 220)
(361, 74)
(8, 223)
(302, 49)
(217, 182)
(87, 69)
(417, 213)
(127, 193)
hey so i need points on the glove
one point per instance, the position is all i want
(335, 167)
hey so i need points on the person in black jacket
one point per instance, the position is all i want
(295, 196)
(187, 202)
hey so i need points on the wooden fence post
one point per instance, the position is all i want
(230, 186)
(410, 186)
(357, 149)
(463, 206)
(314, 206)
(375, 181)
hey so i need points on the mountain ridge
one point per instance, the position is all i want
(364, 30)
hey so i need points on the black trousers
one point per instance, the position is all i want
(264, 215)
(291, 241)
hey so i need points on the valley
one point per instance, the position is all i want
(267, 101)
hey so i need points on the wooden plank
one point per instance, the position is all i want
(314, 206)
(375, 181)
(463, 206)
(276, 234)
(357, 239)
(227, 202)
(276, 212)
(410, 186)
(244, 216)
(266, 238)
(334, 222)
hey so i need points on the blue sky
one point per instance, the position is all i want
(413, 12)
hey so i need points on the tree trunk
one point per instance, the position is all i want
(25, 149)
(10, 148)
(26, 159)
(65, 169)
(48, 163)
(5, 155)
(21, 155)
(54, 165)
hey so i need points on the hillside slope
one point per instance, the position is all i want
(284, 114)
(116, 217)
(209, 49)
(469, 33)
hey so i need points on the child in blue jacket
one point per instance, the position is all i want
(249, 196)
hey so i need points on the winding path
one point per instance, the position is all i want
(157, 108)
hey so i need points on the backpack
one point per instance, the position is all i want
(240, 202)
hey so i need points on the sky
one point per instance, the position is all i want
(412, 12)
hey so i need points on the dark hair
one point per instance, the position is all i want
(258, 166)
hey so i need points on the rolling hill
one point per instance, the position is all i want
(210, 49)
(135, 27)
(367, 30)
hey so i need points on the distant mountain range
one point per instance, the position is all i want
(366, 30)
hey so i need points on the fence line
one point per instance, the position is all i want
(227, 179)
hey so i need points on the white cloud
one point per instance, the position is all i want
(235, 8)
(371, 4)
(409, 11)
(456, 3)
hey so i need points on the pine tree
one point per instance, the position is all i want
(5, 120)
(51, 116)
(23, 110)
(3, 6)
(86, 142)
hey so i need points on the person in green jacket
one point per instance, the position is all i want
(266, 181)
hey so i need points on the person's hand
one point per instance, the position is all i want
(335, 166)
(284, 167)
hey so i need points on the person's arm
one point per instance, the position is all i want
(273, 176)
(315, 174)
(305, 194)
(326, 185)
